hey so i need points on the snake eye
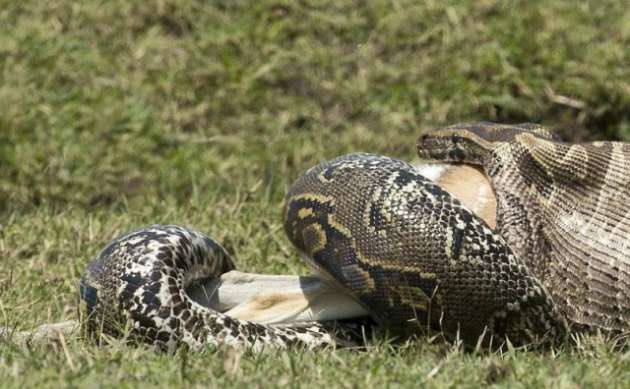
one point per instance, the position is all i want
(457, 153)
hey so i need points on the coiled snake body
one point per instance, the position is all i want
(409, 252)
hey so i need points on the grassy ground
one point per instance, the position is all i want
(118, 114)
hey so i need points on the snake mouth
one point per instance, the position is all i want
(275, 299)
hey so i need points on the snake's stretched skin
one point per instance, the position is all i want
(410, 253)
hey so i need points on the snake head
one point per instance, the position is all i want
(452, 145)
(474, 143)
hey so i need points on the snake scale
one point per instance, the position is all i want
(408, 251)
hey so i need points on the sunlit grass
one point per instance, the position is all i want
(115, 115)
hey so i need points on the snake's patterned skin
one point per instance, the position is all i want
(139, 281)
(561, 208)
(414, 256)
(409, 252)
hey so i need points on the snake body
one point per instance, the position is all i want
(413, 255)
(137, 285)
(562, 209)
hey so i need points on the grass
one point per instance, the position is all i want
(119, 114)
